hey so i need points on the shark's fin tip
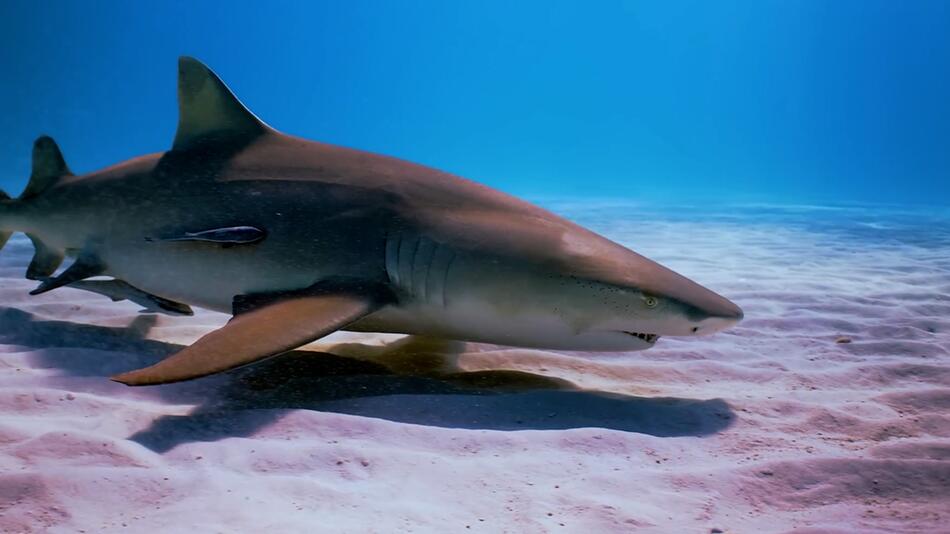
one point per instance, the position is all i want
(121, 379)
(208, 109)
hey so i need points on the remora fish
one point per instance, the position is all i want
(298, 239)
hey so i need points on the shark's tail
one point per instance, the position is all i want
(49, 168)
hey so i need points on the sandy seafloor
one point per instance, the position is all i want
(772, 426)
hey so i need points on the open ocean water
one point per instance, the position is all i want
(817, 132)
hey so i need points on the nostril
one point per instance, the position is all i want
(695, 329)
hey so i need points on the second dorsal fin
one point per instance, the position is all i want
(208, 110)
(48, 167)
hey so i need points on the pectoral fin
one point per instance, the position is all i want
(268, 330)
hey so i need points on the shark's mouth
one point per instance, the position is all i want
(649, 338)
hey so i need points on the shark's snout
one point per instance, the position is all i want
(686, 308)
(724, 315)
(706, 311)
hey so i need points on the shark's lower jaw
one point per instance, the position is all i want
(649, 338)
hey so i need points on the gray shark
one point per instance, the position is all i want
(298, 239)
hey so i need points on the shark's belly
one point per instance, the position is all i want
(478, 322)
(205, 275)
(450, 293)
(484, 322)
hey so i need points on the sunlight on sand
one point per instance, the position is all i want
(826, 408)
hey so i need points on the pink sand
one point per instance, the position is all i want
(772, 426)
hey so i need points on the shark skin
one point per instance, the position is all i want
(298, 239)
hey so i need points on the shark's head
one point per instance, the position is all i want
(593, 294)
(634, 315)
(628, 301)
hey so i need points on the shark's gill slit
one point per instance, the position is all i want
(392, 258)
(450, 259)
(435, 279)
(407, 254)
(422, 264)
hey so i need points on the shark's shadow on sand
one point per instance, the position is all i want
(410, 381)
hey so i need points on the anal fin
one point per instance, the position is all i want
(45, 260)
(85, 266)
(272, 328)
(120, 290)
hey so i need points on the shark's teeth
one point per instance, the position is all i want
(649, 338)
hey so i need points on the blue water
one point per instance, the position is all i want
(808, 101)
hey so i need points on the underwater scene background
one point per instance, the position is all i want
(825, 408)
(791, 156)
(733, 100)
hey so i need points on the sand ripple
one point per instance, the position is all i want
(825, 411)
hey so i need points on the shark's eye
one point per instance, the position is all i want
(650, 301)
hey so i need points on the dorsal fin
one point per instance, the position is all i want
(48, 167)
(207, 109)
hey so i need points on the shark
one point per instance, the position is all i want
(297, 239)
